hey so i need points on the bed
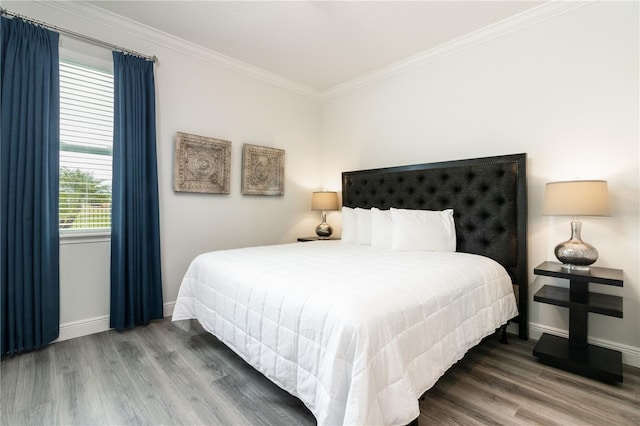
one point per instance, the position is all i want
(359, 332)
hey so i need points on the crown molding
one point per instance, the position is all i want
(125, 25)
(490, 32)
(506, 26)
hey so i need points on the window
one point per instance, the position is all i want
(86, 142)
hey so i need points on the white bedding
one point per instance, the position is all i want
(357, 333)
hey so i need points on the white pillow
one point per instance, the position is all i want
(381, 227)
(423, 230)
(348, 225)
(363, 226)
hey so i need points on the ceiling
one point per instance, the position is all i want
(318, 44)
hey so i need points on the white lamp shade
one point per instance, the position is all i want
(577, 198)
(324, 200)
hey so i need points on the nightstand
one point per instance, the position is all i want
(575, 354)
(306, 239)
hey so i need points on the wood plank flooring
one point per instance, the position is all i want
(162, 374)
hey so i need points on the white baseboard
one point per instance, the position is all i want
(630, 354)
(167, 309)
(71, 330)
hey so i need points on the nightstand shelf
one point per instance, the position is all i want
(598, 303)
(594, 275)
(307, 239)
(575, 353)
(598, 363)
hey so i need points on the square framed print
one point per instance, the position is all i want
(262, 170)
(202, 164)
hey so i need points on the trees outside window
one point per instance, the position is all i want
(85, 202)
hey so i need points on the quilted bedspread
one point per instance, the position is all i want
(357, 333)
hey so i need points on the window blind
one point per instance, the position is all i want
(86, 142)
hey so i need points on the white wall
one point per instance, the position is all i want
(195, 96)
(565, 91)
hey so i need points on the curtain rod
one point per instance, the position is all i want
(77, 35)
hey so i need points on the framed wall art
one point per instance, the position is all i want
(262, 170)
(201, 164)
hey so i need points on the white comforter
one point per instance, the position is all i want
(357, 333)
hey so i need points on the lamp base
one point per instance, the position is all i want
(324, 231)
(570, 267)
(575, 254)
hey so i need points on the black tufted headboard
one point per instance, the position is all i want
(488, 196)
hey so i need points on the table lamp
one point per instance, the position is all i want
(576, 198)
(324, 201)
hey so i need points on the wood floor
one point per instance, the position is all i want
(162, 374)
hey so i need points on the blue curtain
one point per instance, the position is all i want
(29, 161)
(136, 282)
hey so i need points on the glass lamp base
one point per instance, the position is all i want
(324, 231)
(575, 254)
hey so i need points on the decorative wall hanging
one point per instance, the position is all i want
(262, 170)
(201, 164)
